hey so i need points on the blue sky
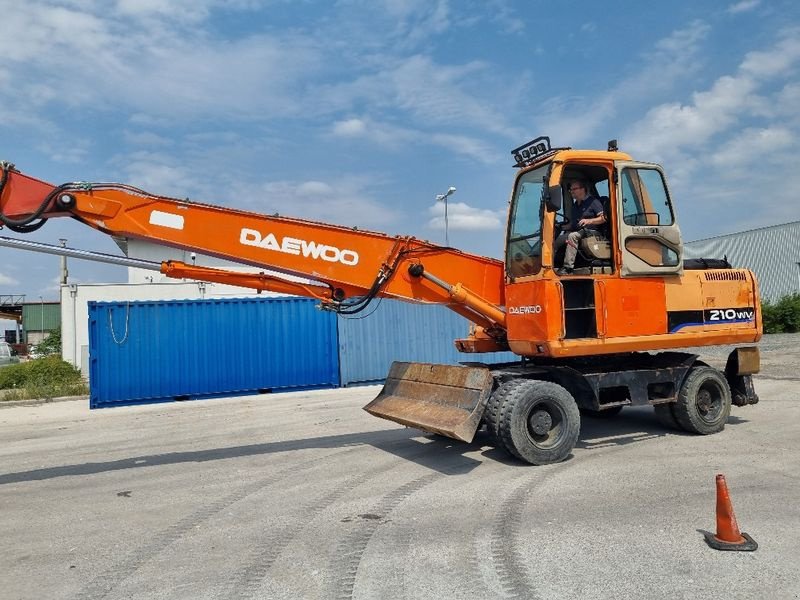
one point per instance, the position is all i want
(360, 112)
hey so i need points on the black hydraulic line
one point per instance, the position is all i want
(24, 225)
(27, 228)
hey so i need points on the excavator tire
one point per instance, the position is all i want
(492, 414)
(539, 422)
(666, 416)
(704, 401)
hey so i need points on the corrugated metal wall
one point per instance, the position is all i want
(45, 316)
(402, 331)
(165, 350)
(772, 253)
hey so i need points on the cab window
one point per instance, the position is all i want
(644, 198)
(524, 245)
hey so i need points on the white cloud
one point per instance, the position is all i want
(431, 93)
(776, 60)
(392, 136)
(462, 216)
(155, 70)
(346, 201)
(350, 128)
(160, 63)
(743, 6)
(714, 145)
(312, 189)
(159, 174)
(184, 10)
(738, 151)
(7, 280)
(502, 13)
(145, 138)
(674, 58)
(787, 101)
(667, 129)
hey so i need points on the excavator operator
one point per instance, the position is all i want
(587, 219)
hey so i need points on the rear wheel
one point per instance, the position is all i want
(704, 401)
(666, 416)
(539, 422)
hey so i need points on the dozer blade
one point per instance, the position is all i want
(443, 399)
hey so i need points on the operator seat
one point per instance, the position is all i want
(597, 248)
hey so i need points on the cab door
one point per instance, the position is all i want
(649, 237)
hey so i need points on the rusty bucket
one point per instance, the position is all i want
(443, 399)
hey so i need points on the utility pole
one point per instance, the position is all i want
(41, 323)
(443, 198)
(64, 272)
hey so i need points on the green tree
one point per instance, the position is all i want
(782, 316)
(50, 345)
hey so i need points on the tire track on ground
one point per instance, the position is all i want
(247, 582)
(104, 583)
(468, 578)
(510, 566)
(350, 550)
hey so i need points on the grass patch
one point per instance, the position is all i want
(41, 379)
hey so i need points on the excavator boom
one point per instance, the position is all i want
(349, 262)
(347, 267)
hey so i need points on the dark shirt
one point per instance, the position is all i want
(590, 208)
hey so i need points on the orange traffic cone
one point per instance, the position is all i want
(728, 535)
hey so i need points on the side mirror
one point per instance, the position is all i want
(553, 198)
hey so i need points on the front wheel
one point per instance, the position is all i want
(539, 422)
(704, 401)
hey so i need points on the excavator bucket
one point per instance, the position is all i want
(443, 399)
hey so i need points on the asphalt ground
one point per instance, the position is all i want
(304, 495)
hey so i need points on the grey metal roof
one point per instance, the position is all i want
(772, 253)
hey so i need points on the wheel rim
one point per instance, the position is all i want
(545, 424)
(709, 401)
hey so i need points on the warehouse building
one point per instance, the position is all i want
(772, 253)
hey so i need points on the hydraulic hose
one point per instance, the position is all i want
(25, 224)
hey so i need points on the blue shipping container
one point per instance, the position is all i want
(156, 351)
(403, 331)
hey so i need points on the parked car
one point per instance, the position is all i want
(8, 356)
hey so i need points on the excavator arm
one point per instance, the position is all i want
(349, 266)
(346, 267)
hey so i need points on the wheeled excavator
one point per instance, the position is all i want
(603, 337)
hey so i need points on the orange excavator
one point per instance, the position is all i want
(591, 340)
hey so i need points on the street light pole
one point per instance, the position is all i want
(41, 323)
(443, 198)
(64, 272)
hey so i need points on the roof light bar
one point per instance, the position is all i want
(532, 151)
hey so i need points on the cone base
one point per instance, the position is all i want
(746, 545)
